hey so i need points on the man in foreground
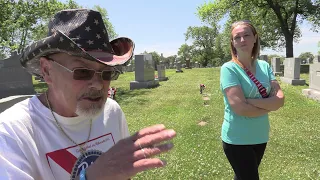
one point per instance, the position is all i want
(73, 131)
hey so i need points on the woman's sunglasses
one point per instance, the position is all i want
(87, 74)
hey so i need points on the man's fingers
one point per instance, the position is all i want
(145, 164)
(148, 152)
(153, 139)
(147, 131)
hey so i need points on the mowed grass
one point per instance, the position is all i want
(293, 151)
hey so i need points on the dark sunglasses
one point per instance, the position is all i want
(87, 74)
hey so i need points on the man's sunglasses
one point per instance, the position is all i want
(87, 74)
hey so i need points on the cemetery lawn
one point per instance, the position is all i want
(293, 151)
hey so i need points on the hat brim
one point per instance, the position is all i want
(123, 51)
(59, 42)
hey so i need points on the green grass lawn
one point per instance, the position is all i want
(292, 153)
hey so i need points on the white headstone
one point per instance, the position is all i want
(161, 73)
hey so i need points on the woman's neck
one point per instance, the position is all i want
(246, 60)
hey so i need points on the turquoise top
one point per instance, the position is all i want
(238, 129)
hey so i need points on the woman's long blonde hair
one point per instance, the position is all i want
(256, 48)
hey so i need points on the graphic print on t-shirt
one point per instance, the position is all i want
(67, 163)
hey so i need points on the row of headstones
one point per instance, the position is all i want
(174, 65)
(292, 74)
(15, 80)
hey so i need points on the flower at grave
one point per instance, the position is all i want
(202, 87)
(112, 92)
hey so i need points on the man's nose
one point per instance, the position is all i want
(97, 81)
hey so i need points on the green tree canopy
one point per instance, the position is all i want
(23, 22)
(277, 21)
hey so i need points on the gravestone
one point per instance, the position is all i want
(14, 79)
(275, 64)
(178, 66)
(292, 72)
(314, 78)
(144, 73)
(316, 59)
(161, 72)
(188, 65)
(264, 57)
(196, 65)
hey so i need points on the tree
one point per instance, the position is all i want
(171, 59)
(306, 55)
(23, 22)
(185, 51)
(277, 21)
(203, 42)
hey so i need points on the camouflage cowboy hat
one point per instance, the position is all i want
(78, 32)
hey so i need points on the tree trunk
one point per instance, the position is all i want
(289, 45)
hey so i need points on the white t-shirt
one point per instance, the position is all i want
(33, 147)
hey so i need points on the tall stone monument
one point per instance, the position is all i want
(144, 73)
(162, 73)
(188, 64)
(314, 77)
(14, 79)
(292, 72)
(275, 64)
(178, 65)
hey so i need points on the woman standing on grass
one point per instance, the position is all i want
(250, 92)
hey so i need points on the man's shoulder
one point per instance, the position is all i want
(112, 105)
(16, 116)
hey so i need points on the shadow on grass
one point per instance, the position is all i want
(125, 94)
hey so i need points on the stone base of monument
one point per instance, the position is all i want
(293, 81)
(179, 71)
(162, 78)
(144, 85)
(7, 102)
(312, 93)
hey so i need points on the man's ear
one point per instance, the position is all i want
(45, 67)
